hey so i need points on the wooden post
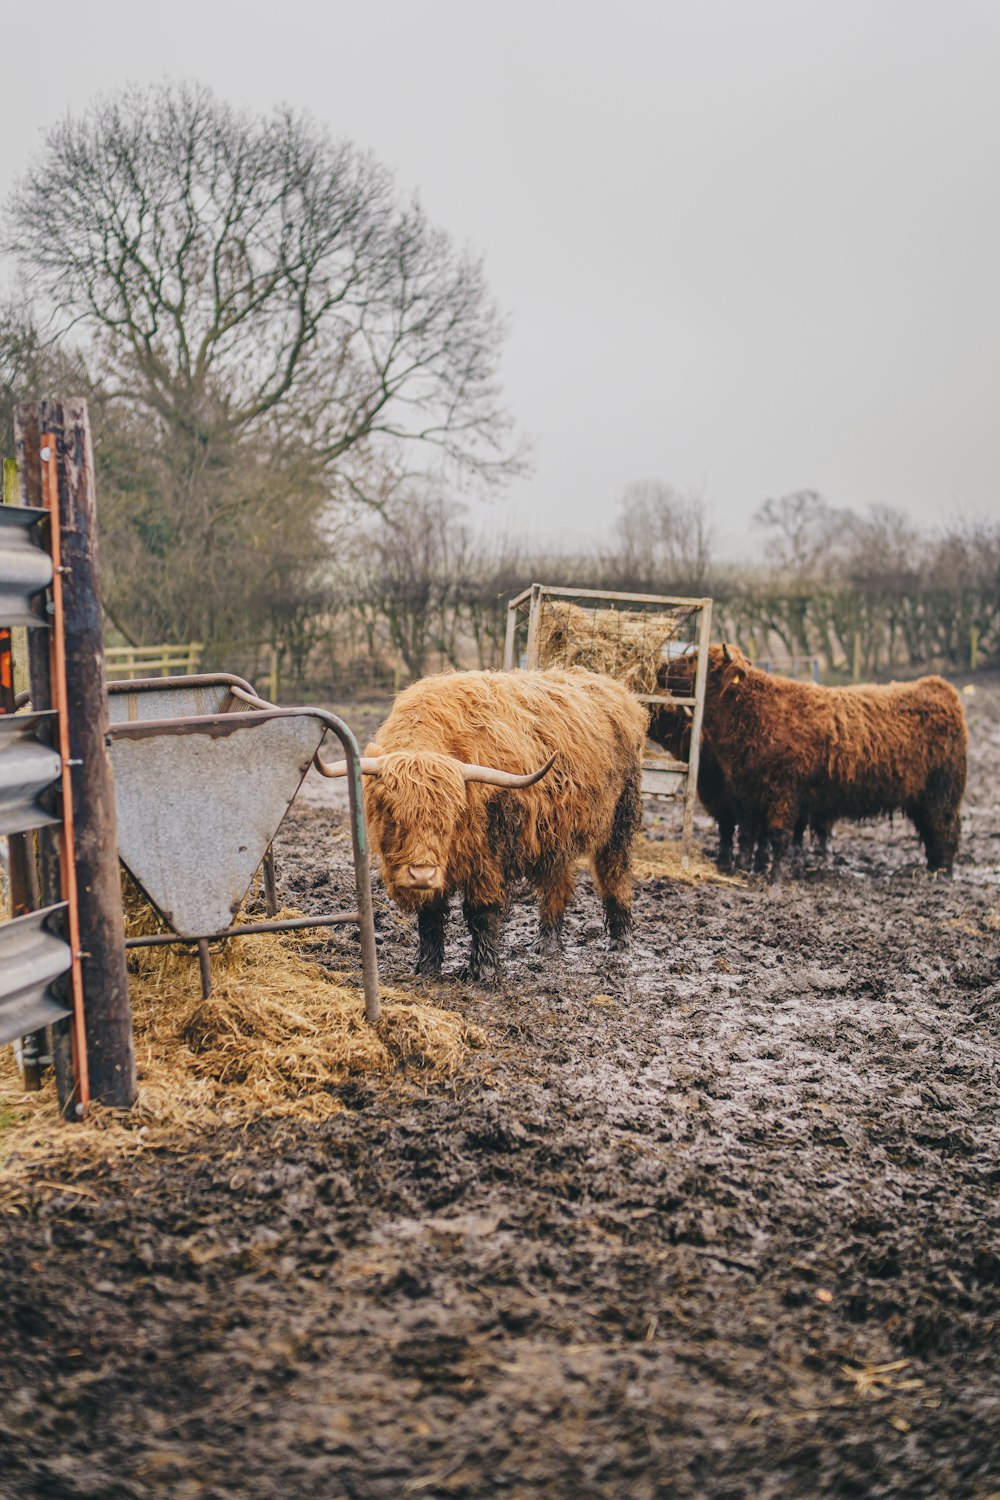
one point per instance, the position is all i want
(108, 1020)
(974, 648)
(273, 680)
(856, 663)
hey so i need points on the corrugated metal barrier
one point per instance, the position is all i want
(33, 952)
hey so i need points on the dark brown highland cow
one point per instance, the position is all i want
(443, 817)
(671, 728)
(792, 752)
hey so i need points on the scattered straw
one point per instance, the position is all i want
(661, 859)
(627, 644)
(277, 1036)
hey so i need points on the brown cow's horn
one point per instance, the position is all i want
(371, 765)
(493, 777)
(727, 655)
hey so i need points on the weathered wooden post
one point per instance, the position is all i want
(63, 478)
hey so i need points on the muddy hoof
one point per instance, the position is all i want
(548, 945)
(491, 979)
(619, 944)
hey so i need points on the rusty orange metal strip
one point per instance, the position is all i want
(67, 853)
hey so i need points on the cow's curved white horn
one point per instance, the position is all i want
(371, 765)
(492, 777)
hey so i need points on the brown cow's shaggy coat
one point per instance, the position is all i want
(479, 838)
(793, 751)
(671, 728)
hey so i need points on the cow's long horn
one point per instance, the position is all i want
(727, 655)
(492, 777)
(371, 765)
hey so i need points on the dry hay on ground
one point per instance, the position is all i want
(661, 859)
(276, 1037)
(626, 644)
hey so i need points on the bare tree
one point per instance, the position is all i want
(29, 365)
(240, 272)
(802, 532)
(415, 560)
(664, 537)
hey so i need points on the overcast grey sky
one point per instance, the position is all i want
(746, 245)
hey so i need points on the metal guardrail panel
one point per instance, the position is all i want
(27, 769)
(25, 567)
(31, 957)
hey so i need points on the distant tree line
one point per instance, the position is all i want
(417, 589)
(293, 382)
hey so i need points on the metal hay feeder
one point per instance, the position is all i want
(205, 771)
(668, 625)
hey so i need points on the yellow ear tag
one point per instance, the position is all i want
(737, 676)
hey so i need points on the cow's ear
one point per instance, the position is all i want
(374, 748)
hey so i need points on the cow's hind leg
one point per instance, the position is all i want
(613, 866)
(556, 888)
(430, 926)
(937, 817)
(939, 833)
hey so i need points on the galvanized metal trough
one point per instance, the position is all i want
(204, 774)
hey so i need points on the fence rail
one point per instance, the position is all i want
(145, 661)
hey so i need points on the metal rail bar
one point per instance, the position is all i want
(694, 754)
(195, 680)
(244, 929)
(674, 702)
(545, 591)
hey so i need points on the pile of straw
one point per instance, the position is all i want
(661, 859)
(622, 643)
(277, 1036)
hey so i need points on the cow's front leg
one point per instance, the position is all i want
(782, 818)
(725, 859)
(430, 925)
(484, 924)
(554, 896)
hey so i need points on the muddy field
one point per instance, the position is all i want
(716, 1219)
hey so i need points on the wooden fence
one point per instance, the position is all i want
(153, 661)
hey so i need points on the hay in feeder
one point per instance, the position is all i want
(622, 643)
(278, 1036)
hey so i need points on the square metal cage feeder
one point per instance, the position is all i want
(629, 637)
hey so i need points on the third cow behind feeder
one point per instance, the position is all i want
(480, 779)
(790, 752)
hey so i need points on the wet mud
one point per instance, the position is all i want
(718, 1218)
